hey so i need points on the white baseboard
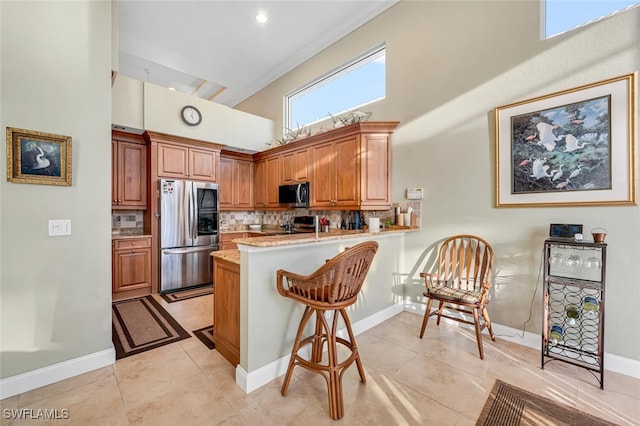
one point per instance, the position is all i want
(249, 382)
(33, 379)
(612, 362)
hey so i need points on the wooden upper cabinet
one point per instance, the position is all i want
(272, 172)
(323, 183)
(335, 180)
(347, 168)
(259, 183)
(295, 166)
(186, 162)
(203, 164)
(129, 172)
(375, 188)
(236, 184)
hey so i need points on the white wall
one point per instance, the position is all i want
(449, 64)
(55, 292)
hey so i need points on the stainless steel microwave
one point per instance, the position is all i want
(295, 195)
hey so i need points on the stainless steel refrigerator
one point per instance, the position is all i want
(189, 224)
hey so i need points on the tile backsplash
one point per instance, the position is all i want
(127, 222)
(233, 220)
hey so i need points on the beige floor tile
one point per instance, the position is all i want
(97, 403)
(64, 386)
(189, 402)
(437, 380)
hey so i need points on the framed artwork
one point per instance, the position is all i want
(38, 157)
(571, 148)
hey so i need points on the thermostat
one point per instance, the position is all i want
(415, 193)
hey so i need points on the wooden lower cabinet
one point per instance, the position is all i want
(131, 262)
(226, 309)
(226, 240)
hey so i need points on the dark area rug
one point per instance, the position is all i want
(141, 324)
(509, 405)
(177, 296)
(205, 335)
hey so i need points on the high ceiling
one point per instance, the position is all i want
(217, 50)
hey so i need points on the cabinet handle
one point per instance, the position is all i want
(133, 243)
(133, 251)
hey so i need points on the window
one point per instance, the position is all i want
(353, 85)
(564, 15)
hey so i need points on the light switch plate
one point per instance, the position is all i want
(59, 227)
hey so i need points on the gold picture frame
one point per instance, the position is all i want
(577, 147)
(38, 157)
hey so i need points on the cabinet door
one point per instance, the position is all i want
(295, 166)
(173, 161)
(114, 174)
(375, 185)
(203, 164)
(346, 172)
(226, 183)
(132, 269)
(132, 175)
(259, 184)
(272, 172)
(244, 186)
(226, 311)
(323, 189)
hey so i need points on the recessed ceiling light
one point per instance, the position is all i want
(172, 88)
(261, 17)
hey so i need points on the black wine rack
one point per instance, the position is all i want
(573, 307)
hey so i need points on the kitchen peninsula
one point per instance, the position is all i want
(268, 322)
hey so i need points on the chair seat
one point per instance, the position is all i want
(468, 296)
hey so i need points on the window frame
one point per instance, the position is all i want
(359, 61)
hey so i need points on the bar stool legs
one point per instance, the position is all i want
(333, 370)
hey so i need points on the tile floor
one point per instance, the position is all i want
(438, 380)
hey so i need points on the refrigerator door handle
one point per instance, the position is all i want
(189, 250)
(192, 212)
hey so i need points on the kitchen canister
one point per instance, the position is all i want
(374, 224)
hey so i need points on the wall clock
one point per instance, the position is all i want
(191, 115)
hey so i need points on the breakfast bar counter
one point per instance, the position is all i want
(259, 326)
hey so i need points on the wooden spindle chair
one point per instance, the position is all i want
(461, 283)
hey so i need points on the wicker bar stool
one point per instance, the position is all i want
(332, 287)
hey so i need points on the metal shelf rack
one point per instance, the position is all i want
(573, 306)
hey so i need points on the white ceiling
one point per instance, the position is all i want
(218, 45)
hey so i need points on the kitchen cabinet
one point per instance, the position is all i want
(226, 309)
(295, 166)
(226, 239)
(573, 306)
(236, 183)
(335, 174)
(128, 171)
(131, 263)
(348, 168)
(267, 183)
(182, 161)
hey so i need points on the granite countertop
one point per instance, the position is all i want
(334, 234)
(232, 256)
(128, 236)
